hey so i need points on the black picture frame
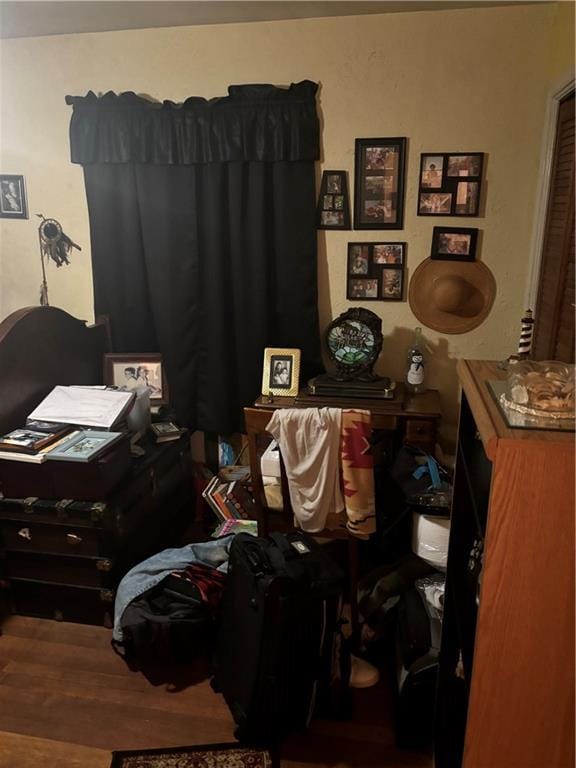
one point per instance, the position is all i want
(333, 208)
(13, 203)
(450, 183)
(379, 171)
(454, 243)
(369, 277)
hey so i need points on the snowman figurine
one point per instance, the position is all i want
(415, 372)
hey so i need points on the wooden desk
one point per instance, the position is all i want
(414, 421)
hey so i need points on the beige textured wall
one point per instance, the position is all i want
(459, 80)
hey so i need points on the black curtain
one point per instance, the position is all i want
(202, 224)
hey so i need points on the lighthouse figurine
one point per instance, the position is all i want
(525, 342)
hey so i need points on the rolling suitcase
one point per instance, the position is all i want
(279, 624)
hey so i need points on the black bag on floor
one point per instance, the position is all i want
(278, 631)
(175, 621)
(418, 637)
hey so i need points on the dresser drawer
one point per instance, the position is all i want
(40, 537)
(420, 431)
(62, 569)
(63, 602)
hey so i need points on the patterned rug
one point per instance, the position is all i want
(205, 756)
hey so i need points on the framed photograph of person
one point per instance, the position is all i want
(431, 169)
(359, 259)
(449, 183)
(13, 203)
(365, 289)
(392, 284)
(388, 254)
(281, 372)
(333, 210)
(465, 164)
(435, 203)
(454, 243)
(135, 371)
(379, 183)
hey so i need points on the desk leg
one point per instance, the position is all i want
(353, 582)
(259, 498)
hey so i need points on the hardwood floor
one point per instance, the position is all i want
(67, 701)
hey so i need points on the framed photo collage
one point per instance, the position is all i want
(375, 271)
(449, 184)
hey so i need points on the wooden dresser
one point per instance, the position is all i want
(506, 681)
(69, 533)
(63, 559)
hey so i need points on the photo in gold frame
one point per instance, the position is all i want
(281, 373)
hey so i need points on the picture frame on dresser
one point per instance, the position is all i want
(379, 170)
(281, 372)
(131, 371)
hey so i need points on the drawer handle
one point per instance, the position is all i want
(73, 540)
(24, 533)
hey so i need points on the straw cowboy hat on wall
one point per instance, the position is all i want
(451, 296)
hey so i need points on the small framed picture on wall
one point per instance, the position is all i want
(454, 243)
(13, 203)
(333, 210)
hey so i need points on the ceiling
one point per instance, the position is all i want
(28, 18)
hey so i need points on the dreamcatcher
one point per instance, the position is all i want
(55, 245)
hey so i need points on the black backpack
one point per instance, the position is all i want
(174, 622)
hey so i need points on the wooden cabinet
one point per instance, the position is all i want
(506, 679)
(63, 559)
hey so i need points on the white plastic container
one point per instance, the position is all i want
(270, 461)
(430, 535)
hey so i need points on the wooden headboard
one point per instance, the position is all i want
(39, 348)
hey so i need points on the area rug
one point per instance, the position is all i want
(203, 756)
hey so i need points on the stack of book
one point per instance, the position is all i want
(229, 500)
(40, 441)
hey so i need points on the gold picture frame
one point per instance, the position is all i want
(281, 373)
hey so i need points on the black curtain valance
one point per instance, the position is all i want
(253, 123)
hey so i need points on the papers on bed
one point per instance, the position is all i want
(83, 406)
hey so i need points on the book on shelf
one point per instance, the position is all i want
(32, 441)
(242, 500)
(165, 431)
(229, 501)
(233, 472)
(207, 496)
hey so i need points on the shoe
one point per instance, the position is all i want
(362, 674)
